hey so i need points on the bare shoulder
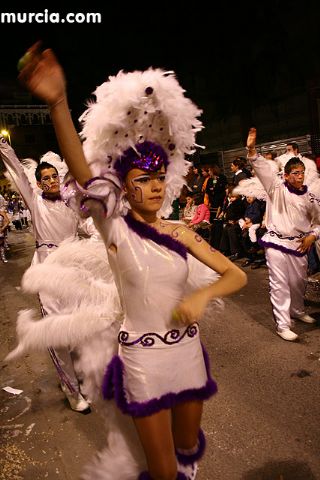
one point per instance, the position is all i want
(186, 235)
(179, 231)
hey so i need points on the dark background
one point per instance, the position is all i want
(230, 59)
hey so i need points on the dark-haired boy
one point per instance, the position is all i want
(292, 221)
(52, 222)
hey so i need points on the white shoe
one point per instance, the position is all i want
(190, 471)
(76, 400)
(288, 335)
(306, 318)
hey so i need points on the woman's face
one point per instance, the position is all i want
(145, 190)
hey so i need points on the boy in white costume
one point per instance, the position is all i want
(52, 222)
(292, 221)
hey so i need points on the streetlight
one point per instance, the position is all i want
(6, 133)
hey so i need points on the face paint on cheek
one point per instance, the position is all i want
(45, 187)
(137, 195)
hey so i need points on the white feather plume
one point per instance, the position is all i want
(141, 106)
(251, 187)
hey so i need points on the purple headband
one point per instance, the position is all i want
(150, 157)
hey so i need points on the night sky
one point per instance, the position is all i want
(227, 58)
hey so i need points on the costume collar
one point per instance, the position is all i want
(50, 197)
(296, 191)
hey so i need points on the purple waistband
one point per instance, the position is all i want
(148, 339)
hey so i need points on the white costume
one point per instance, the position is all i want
(159, 272)
(291, 214)
(53, 222)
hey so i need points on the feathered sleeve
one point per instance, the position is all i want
(16, 171)
(99, 198)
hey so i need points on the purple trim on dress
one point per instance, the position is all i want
(186, 459)
(281, 248)
(148, 340)
(146, 231)
(113, 387)
(296, 191)
(84, 190)
(91, 180)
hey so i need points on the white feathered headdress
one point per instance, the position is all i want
(132, 108)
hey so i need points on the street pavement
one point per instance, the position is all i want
(263, 424)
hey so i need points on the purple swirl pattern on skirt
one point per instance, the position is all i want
(148, 339)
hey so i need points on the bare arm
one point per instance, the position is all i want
(44, 78)
(232, 278)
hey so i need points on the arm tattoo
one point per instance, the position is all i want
(198, 238)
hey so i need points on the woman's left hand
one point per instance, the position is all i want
(191, 308)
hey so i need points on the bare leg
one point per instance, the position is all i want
(186, 419)
(157, 441)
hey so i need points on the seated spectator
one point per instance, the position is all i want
(249, 226)
(202, 215)
(189, 210)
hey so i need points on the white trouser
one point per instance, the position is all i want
(61, 357)
(287, 280)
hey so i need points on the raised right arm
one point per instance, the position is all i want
(16, 171)
(261, 166)
(44, 78)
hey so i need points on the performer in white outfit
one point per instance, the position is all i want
(292, 150)
(53, 221)
(137, 134)
(292, 221)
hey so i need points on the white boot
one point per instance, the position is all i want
(190, 471)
